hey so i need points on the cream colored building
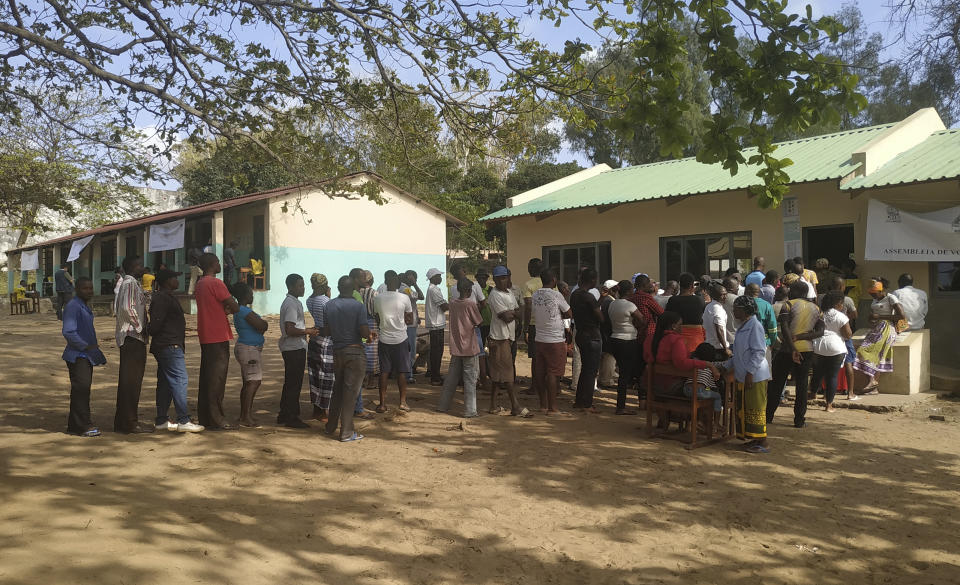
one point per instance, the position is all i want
(682, 216)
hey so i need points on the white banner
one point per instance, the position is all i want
(166, 236)
(894, 234)
(30, 260)
(77, 246)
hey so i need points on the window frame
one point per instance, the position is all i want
(683, 250)
(934, 281)
(601, 274)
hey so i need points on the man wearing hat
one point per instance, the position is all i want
(434, 307)
(168, 331)
(504, 314)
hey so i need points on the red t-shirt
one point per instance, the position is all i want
(212, 323)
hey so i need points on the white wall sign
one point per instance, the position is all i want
(894, 234)
(166, 236)
(30, 260)
(77, 246)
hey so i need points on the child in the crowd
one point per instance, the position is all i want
(707, 387)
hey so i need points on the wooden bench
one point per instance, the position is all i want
(686, 411)
(19, 307)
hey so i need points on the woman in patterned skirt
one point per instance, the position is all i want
(319, 350)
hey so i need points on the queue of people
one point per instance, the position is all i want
(727, 329)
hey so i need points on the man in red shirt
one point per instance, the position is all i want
(214, 302)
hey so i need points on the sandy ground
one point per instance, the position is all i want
(855, 498)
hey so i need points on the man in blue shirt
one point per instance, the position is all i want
(63, 286)
(345, 321)
(756, 277)
(81, 354)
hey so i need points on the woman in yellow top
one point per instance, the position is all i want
(147, 280)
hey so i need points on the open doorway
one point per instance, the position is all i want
(833, 242)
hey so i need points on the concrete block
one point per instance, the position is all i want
(911, 363)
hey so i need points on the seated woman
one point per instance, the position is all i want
(668, 347)
(875, 354)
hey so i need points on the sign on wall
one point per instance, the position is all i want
(792, 234)
(894, 234)
(30, 260)
(166, 236)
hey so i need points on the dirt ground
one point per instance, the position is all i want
(854, 498)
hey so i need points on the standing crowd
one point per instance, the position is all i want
(753, 332)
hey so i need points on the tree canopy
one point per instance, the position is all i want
(231, 69)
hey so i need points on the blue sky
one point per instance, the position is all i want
(875, 12)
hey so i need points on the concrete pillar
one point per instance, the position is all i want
(95, 263)
(39, 272)
(146, 244)
(217, 234)
(120, 245)
(11, 273)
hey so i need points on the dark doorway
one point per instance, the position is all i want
(833, 242)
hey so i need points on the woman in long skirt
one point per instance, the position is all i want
(751, 374)
(875, 354)
(320, 350)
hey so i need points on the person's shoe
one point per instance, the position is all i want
(93, 432)
(139, 430)
(223, 427)
(166, 426)
(296, 424)
(800, 425)
(189, 427)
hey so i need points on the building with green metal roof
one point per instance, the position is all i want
(684, 216)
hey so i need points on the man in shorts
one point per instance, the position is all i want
(549, 310)
(504, 313)
(394, 314)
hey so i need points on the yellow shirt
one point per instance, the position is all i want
(530, 287)
(20, 292)
(148, 282)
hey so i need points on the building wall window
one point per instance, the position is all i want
(703, 254)
(946, 277)
(567, 260)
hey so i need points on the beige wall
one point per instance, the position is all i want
(399, 226)
(634, 231)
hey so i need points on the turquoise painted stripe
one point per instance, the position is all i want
(334, 264)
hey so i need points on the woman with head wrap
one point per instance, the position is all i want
(875, 354)
(319, 350)
(750, 375)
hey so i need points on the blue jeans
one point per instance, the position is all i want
(412, 341)
(171, 384)
(704, 393)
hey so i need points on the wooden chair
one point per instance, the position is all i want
(686, 411)
(18, 306)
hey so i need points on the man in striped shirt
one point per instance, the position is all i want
(130, 307)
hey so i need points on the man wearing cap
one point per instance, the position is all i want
(168, 330)
(434, 307)
(504, 314)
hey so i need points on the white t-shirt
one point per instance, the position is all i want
(391, 306)
(498, 302)
(662, 300)
(731, 321)
(715, 314)
(831, 343)
(476, 295)
(884, 307)
(621, 322)
(436, 319)
(913, 302)
(547, 306)
(291, 311)
(811, 289)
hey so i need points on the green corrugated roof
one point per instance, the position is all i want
(818, 158)
(937, 157)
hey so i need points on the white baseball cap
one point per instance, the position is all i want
(611, 284)
(433, 272)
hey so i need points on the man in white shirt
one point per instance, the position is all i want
(913, 302)
(733, 286)
(504, 314)
(459, 272)
(293, 348)
(670, 289)
(549, 310)
(434, 308)
(394, 314)
(715, 321)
